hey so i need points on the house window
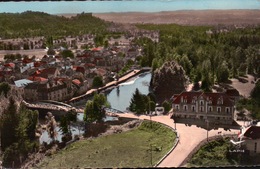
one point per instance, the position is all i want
(201, 109)
(227, 110)
(255, 146)
(218, 109)
(177, 107)
(193, 100)
(193, 108)
(210, 109)
(201, 102)
(210, 102)
(185, 107)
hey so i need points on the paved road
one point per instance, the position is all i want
(190, 137)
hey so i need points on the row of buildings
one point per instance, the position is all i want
(54, 77)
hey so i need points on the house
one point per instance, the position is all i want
(51, 90)
(47, 73)
(82, 87)
(215, 108)
(251, 138)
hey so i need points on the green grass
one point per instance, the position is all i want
(219, 153)
(212, 154)
(127, 149)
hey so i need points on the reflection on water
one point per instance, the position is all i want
(120, 97)
(76, 129)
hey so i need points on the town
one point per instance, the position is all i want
(198, 91)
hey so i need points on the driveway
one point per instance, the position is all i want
(190, 137)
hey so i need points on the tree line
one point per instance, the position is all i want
(34, 24)
(210, 57)
(17, 127)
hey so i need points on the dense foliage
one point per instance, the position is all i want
(18, 128)
(207, 54)
(32, 24)
(252, 104)
(97, 82)
(141, 103)
(94, 110)
(221, 153)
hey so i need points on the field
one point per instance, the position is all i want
(221, 153)
(127, 149)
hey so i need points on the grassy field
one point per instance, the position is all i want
(218, 153)
(128, 149)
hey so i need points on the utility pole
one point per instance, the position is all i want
(207, 130)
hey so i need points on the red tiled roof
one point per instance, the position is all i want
(37, 78)
(96, 49)
(186, 95)
(214, 97)
(12, 65)
(76, 81)
(45, 72)
(253, 132)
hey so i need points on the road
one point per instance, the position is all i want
(190, 137)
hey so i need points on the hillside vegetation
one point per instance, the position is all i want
(207, 54)
(32, 24)
(128, 149)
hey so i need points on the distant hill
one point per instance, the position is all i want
(32, 24)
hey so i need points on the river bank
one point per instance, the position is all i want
(109, 86)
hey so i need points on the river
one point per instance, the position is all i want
(61, 7)
(119, 98)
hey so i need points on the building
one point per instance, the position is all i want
(56, 90)
(251, 139)
(215, 108)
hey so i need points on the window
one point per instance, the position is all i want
(255, 147)
(177, 107)
(218, 109)
(201, 109)
(193, 108)
(201, 102)
(210, 109)
(193, 100)
(227, 110)
(185, 107)
(210, 102)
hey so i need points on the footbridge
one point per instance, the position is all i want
(59, 108)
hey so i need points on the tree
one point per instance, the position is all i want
(94, 110)
(166, 105)
(137, 103)
(222, 73)
(65, 122)
(97, 82)
(67, 54)
(255, 93)
(25, 142)
(51, 125)
(4, 88)
(51, 51)
(9, 123)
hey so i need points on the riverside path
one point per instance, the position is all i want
(190, 137)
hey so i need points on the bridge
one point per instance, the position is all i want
(59, 108)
